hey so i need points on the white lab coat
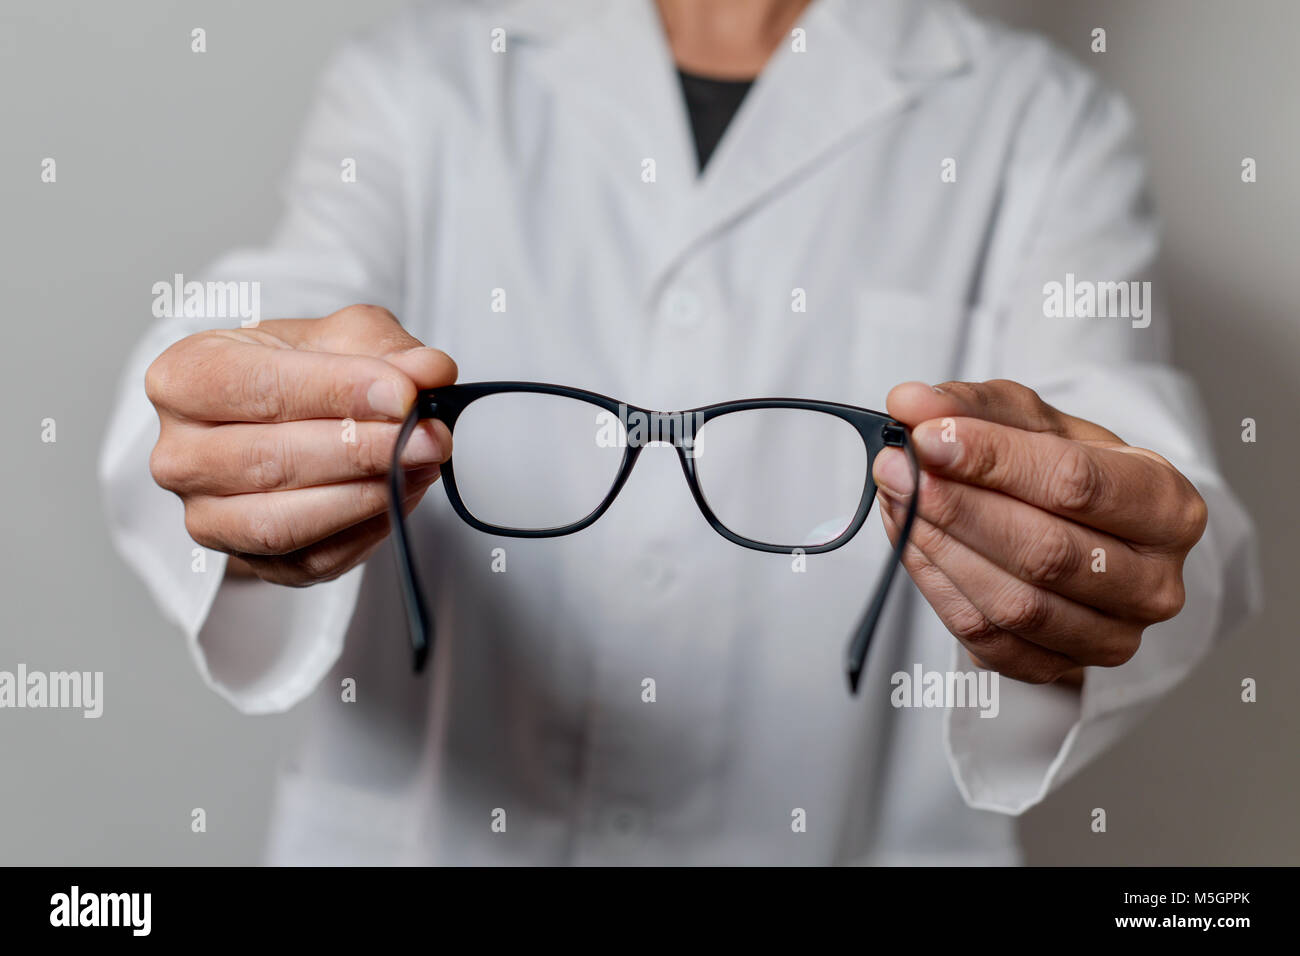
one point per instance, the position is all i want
(523, 171)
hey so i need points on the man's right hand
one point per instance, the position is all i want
(253, 439)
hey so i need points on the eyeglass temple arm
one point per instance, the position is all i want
(856, 656)
(419, 620)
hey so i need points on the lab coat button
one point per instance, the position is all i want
(683, 309)
(625, 821)
(657, 573)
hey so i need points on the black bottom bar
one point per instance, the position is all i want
(926, 905)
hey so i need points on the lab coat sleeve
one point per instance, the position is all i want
(1076, 201)
(261, 646)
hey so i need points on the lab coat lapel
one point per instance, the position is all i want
(864, 61)
(608, 63)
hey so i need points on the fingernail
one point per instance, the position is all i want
(936, 443)
(383, 399)
(891, 472)
(422, 448)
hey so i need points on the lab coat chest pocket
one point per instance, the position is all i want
(902, 336)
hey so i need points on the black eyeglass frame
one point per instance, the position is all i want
(877, 430)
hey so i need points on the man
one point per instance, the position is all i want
(886, 204)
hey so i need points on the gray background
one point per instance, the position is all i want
(166, 158)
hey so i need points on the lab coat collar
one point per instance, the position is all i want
(913, 37)
(865, 60)
(916, 38)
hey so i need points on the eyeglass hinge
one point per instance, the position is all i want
(893, 435)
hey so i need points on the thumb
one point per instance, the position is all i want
(372, 330)
(999, 401)
(426, 367)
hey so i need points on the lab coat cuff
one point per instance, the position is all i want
(264, 647)
(260, 646)
(146, 522)
(1043, 734)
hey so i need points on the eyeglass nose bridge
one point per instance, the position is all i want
(645, 427)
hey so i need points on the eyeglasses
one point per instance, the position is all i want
(781, 475)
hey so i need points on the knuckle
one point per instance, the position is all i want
(158, 380)
(940, 501)
(1021, 396)
(200, 358)
(1073, 483)
(931, 541)
(368, 314)
(1054, 557)
(1023, 611)
(165, 377)
(371, 498)
(1038, 414)
(976, 631)
(259, 391)
(1165, 600)
(1187, 514)
(166, 469)
(1118, 650)
(1195, 517)
(366, 455)
(266, 534)
(276, 571)
(973, 394)
(338, 396)
(1036, 670)
(1013, 389)
(200, 530)
(983, 460)
(317, 565)
(268, 463)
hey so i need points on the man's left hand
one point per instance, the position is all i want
(1043, 541)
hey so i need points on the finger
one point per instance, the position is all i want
(1007, 604)
(1000, 401)
(240, 458)
(1082, 564)
(332, 557)
(989, 646)
(246, 381)
(1128, 495)
(281, 522)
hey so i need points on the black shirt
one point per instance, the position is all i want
(712, 103)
